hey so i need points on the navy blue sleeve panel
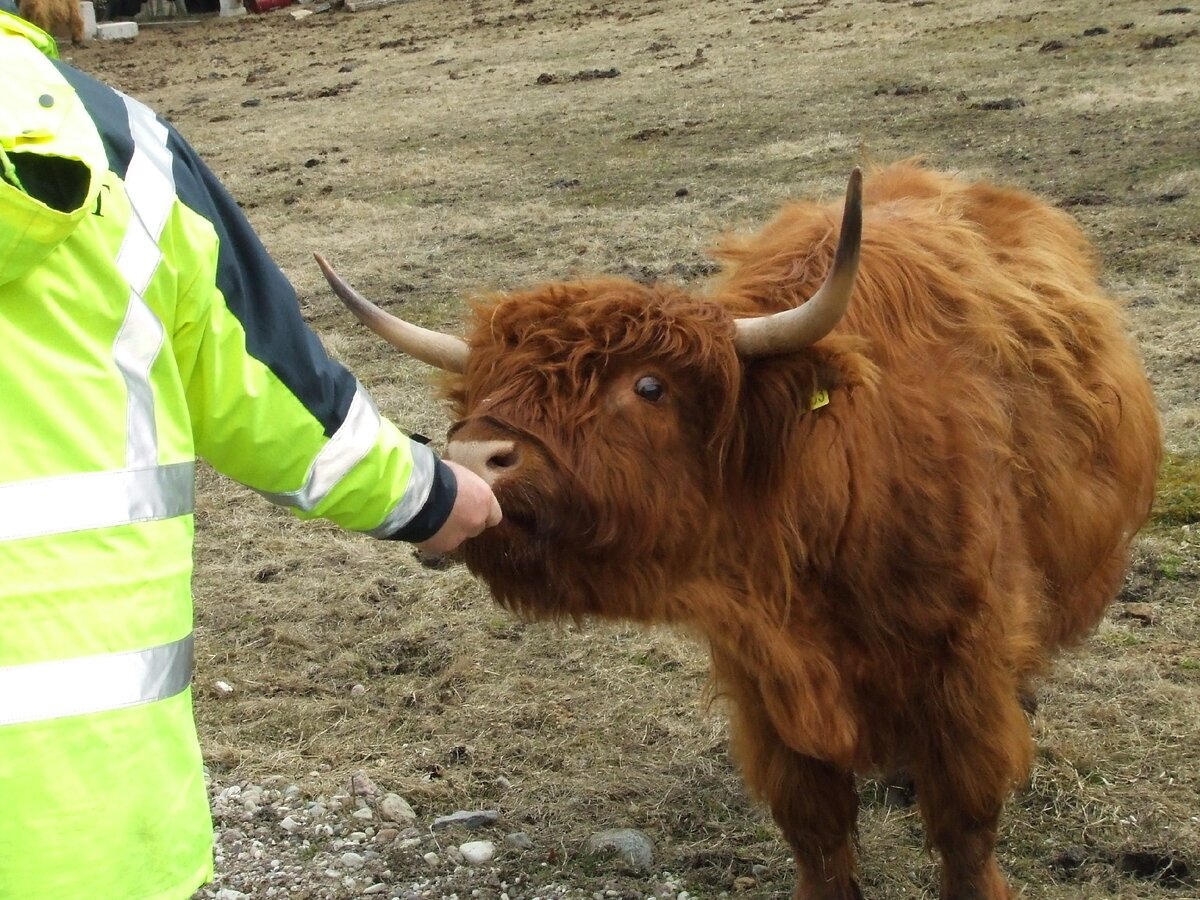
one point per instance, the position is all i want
(261, 297)
(254, 288)
(433, 515)
(107, 110)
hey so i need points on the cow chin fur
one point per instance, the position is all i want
(545, 578)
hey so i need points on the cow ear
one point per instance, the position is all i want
(795, 412)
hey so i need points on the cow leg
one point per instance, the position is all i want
(75, 21)
(964, 773)
(815, 809)
(814, 804)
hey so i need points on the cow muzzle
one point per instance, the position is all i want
(490, 460)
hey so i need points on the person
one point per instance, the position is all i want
(143, 324)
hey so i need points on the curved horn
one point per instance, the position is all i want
(432, 347)
(794, 329)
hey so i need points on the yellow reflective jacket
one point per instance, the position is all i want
(143, 324)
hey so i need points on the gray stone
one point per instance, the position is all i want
(394, 808)
(519, 840)
(480, 818)
(633, 848)
(352, 860)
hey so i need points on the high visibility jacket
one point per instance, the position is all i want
(141, 324)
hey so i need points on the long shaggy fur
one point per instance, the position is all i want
(879, 578)
(52, 15)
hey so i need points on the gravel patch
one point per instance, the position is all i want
(273, 841)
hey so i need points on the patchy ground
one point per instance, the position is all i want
(435, 148)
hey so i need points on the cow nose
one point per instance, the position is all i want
(487, 459)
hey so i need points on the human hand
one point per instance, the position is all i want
(475, 509)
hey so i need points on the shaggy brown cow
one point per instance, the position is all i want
(50, 15)
(879, 575)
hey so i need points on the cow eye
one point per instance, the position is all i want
(650, 388)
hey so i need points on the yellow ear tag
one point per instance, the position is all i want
(820, 398)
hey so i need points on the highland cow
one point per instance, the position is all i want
(884, 502)
(51, 15)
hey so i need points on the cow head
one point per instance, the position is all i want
(608, 417)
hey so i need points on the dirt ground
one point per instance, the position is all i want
(435, 148)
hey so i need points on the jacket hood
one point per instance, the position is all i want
(51, 156)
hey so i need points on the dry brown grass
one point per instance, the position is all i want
(443, 168)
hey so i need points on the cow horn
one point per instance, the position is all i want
(794, 329)
(441, 350)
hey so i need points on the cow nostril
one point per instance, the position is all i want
(487, 459)
(506, 459)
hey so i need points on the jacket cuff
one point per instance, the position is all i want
(433, 515)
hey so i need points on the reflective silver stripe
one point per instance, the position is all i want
(35, 692)
(68, 503)
(349, 444)
(420, 483)
(150, 184)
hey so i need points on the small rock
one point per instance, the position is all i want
(229, 894)
(744, 883)
(519, 840)
(632, 847)
(362, 785)
(289, 824)
(363, 814)
(481, 818)
(352, 860)
(758, 870)
(432, 858)
(223, 688)
(476, 853)
(358, 690)
(394, 808)
(386, 836)
(376, 888)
